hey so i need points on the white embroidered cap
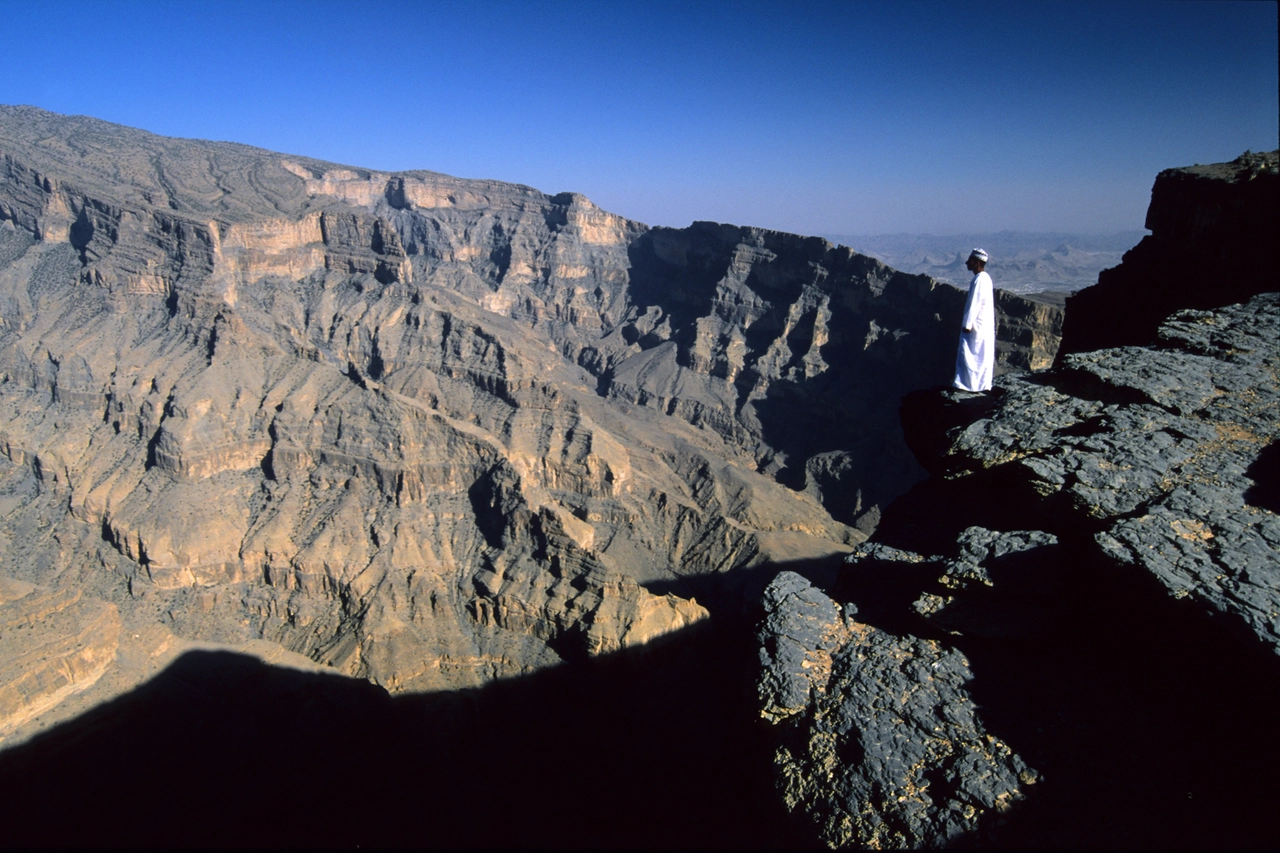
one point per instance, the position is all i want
(979, 254)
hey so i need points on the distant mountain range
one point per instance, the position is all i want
(1021, 261)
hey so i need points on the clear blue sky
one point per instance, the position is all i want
(823, 117)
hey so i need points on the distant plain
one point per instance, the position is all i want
(1021, 261)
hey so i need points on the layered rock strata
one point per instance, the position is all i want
(56, 643)
(424, 430)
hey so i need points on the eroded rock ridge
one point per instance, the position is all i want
(424, 430)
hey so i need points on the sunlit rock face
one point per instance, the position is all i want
(879, 743)
(424, 430)
(57, 643)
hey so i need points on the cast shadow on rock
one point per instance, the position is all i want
(1265, 473)
(842, 444)
(1149, 724)
(657, 746)
(1151, 728)
(684, 290)
(1131, 713)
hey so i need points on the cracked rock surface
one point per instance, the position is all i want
(1163, 455)
(1099, 542)
(880, 744)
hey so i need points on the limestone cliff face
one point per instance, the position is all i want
(57, 643)
(425, 430)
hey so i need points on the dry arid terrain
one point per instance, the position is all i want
(350, 507)
(415, 429)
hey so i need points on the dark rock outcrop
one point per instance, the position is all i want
(880, 743)
(1159, 456)
(1100, 542)
(1212, 243)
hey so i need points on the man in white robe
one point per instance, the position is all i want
(976, 357)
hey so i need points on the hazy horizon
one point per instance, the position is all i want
(814, 118)
(1002, 231)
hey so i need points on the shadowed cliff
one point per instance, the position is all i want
(653, 747)
(419, 429)
(1212, 243)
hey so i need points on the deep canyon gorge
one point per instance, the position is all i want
(352, 507)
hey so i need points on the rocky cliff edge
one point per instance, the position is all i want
(1093, 563)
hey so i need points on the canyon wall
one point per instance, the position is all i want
(423, 430)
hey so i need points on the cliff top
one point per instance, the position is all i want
(226, 180)
(1248, 165)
